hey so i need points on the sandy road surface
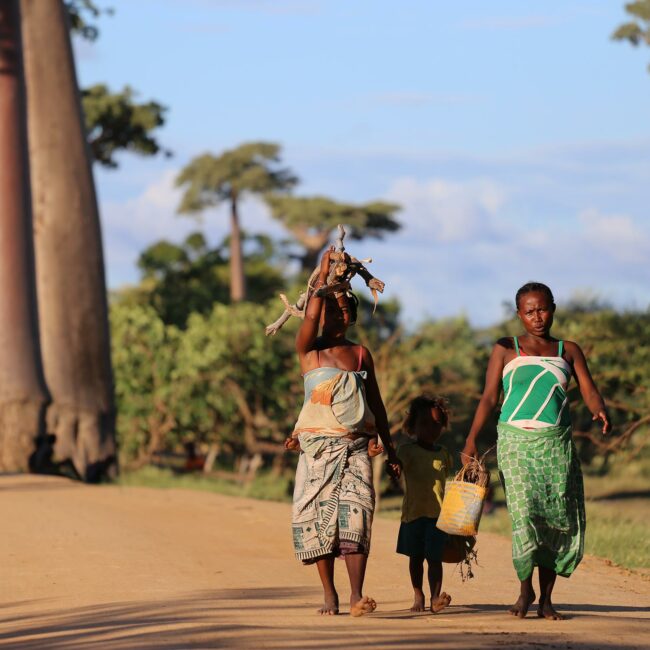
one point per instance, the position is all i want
(122, 568)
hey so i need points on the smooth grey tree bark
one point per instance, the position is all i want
(22, 391)
(70, 283)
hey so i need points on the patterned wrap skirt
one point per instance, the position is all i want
(334, 500)
(542, 479)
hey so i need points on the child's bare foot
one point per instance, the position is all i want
(363, 606)
(418, 601)
(330, 606)
(546, 610)
(439, 603)
(525, 600)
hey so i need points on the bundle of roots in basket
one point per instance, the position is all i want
(475, 471)
(466, 565)
(461, 551)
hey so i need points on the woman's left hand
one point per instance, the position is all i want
(602, 415)
(375, 447)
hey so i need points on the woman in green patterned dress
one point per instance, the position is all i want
(537, 459)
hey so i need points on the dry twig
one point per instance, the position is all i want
(343, 269)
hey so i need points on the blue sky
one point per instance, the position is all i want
(514, 134)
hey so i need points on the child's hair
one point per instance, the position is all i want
(423, 403)
(529, 287)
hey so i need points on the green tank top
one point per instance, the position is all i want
(535, 390)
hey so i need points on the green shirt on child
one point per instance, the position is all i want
(425, 471)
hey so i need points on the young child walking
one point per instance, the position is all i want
(425, 465)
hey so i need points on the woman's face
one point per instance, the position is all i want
(334, 320)
(536, 311)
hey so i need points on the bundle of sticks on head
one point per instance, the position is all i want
(341, 273)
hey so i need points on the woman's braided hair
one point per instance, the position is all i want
(529, 287)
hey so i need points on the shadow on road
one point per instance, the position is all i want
(259, 618)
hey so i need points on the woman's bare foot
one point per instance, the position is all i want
(546, 610)
(439, 603)
(525, 600)
(330, 606)
(418, 601)
(363, 606)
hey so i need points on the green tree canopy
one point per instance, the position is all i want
(203, 383)
(311, 221)
(219, 379)
(115, 122)
(80, 12)
(250, 168)
(186, 278)
(208, 181)
(145, 352)
(636, 31)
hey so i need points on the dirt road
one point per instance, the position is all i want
(131, 568)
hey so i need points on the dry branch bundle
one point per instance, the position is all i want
(343, 269)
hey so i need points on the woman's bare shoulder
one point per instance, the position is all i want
(505, 342)
(573, 350)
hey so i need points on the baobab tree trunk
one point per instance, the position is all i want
(309, 260)
(237, 277)
(313, 242)
(70, 282)
(22, 392)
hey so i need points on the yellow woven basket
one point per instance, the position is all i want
(462, 507)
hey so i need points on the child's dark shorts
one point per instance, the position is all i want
(421, 538)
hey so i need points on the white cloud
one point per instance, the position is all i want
(617, 236)
(448, 211)
(566, 14)
(129, 226)
(266, 6)
(414, 98)
(464, 249)
(84, 50)
(466, 245)
(511, 22)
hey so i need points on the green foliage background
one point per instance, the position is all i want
(219, 379)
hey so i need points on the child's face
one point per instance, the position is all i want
(437, 420)
(431, 424)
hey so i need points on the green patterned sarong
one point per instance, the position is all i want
(542, 479)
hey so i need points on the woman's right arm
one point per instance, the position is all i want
(488, 402)
(308, 331)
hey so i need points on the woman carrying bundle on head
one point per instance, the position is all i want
(537, 459)
(333, 501)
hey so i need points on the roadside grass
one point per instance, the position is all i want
(615, 531)
(265, 486)
(618, 504)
